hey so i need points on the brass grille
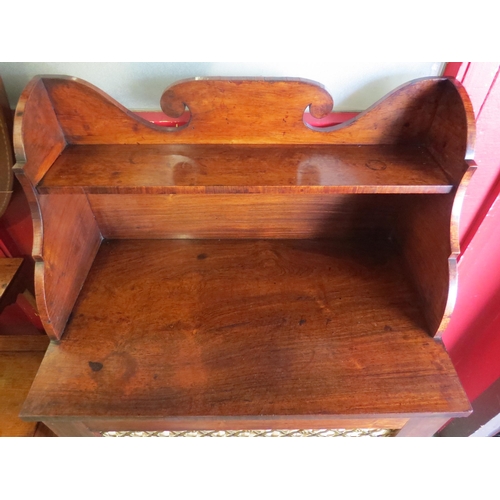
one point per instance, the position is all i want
(259, 433)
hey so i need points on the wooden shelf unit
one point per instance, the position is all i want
(245, 271)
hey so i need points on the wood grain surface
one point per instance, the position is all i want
(8, 270)
(267, 113)
(452, 136)
(245, 328)
(17, 371)
(71, 240)
(38, 138)
(319, 311)
(20, 343)
(243, 215)
(192, 169)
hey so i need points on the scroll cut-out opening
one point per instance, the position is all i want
(163, 120)
(328, 121)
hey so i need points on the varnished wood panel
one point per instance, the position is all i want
(241, 216)
(70, 242)
(8, 270)
(245, 328)
(38, 139)
(11, 343)
(268, 112)
(192, 169)
(186, 332)
(17, 371)
(428, 233)
(452, 135)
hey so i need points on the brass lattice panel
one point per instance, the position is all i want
(259, 433)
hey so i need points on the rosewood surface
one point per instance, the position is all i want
(60, 274)
(327, 258)
(167, 169)
(245, 328)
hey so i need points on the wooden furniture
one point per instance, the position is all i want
(246, 270)
(20, 357)
(6, 153)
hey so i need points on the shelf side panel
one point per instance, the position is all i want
(430, 225)
(38, 138)
(70, 241)
(428, 233)
(451, 138)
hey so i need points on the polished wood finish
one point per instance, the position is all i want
(235, 327)
(428, 235)
(20, 357)
(35, 118)
(242, 112)
(208, 169)
(451, 138)
(8, 270)
(256, 270)
(242, 216)
(71, 240)
(19, 343)
(18, 370)
(88, 116)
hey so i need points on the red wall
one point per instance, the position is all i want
(473, 335)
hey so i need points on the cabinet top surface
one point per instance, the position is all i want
(227, 328)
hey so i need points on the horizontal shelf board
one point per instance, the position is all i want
(227, 169)
(248, 328)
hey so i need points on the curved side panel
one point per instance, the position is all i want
(38, 138)
(71, 241)
(429, 225)
(234, 111)
(451, 137)
(36, 217)
(65, 241)
(455, 248)
(428, 235)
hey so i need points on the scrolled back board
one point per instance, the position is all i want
(237, 111)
